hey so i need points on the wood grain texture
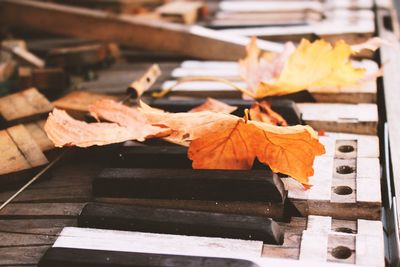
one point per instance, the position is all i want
(192, 41)
(21, 156)
(24, 106)
(180, 222)
(346, 118)
(36, 130)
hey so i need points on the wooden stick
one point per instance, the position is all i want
(132, 31)
(139, 86)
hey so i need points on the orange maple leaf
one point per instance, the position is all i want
(223, 141)
(288, 150)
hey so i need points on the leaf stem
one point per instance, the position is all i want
(246, 115)
(202, 78)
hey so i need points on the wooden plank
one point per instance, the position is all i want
(27, 146)
(48, 80)
(79, 58)
(181, 12)
(272, 210)
(314, 241)
(344, 187)
(369, 241)
(20, 151)
(330, 30)
(80, 257)
(22, 54)
(285, 107)
(192, 41)
(186, 184)
(36, 130)
(21, 156)
(77, 102)
(24, 106)
(112, 240)
(180, 222)
(392, 98)
(22, 255)
(344, 145)
(318, 239)
(34, 225)
(347, 118)
(42, 210)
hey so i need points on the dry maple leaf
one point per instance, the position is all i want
(128, 117)
(63, 130)
(262, 111)
(316, 64)
(214, 105)
(185, 126)
(289, 150)
(223, 141)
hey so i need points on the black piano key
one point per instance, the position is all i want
(187, 184)
(72, 257)
(286, 108)
(180, 222)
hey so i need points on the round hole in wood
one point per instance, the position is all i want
(341, 252)
(343, 190)
(344, 230)
(346, 148)
(344, 169)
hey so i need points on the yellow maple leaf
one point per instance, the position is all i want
(316, 64)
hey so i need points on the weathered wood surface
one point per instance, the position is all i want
(24, 106)
(181, 12)
(336, 117)
(29, 226)
(346, 180)
(36, 130)
(77, 102)
(20, 157)
(392, 99)
(48, 80)
(194, 41)
(180, 222)
(314, 239)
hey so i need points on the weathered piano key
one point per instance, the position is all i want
(65, 257)
(186, 184)
(286, 108)
(346, 118)
(180, 222)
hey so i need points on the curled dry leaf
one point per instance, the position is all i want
(127, 124)
(214, 105)
(128, 117)
(63, 130)
(186, 127)
(262, 111)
